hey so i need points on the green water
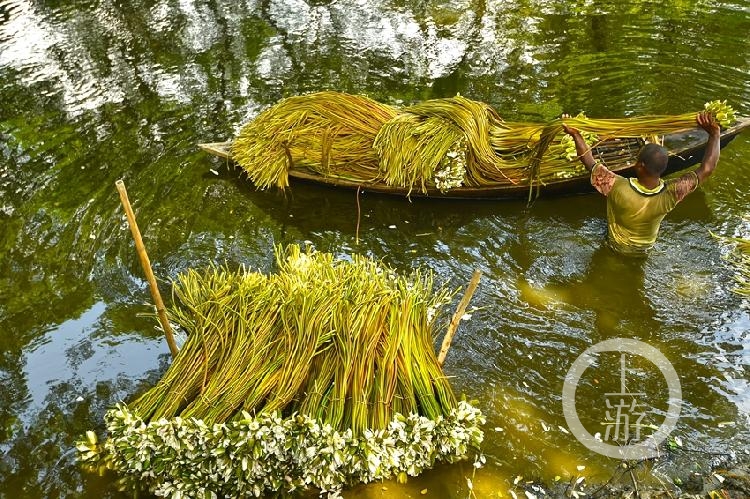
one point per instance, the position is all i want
(95, 91)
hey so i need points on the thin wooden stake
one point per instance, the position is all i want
(359, 211)
(146, 264)
(635, 483)
(457, 316)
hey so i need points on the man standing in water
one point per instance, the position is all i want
(636, 206)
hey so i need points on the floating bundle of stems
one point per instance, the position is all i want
(437, 144)
(740, 258)
(322, 374)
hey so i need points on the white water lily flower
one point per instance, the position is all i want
(271, 457)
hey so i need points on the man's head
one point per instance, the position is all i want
(653, 158)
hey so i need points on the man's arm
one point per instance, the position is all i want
(707, 122)
(602, 179)
(582, 149)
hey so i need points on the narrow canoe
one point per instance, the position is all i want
(685, 149)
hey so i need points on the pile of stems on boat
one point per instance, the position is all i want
(322, 374)
(439, 143)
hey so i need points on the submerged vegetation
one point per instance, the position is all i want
(322, 374)
(437, 144)
(740, 258)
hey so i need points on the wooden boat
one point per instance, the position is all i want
(685, 148)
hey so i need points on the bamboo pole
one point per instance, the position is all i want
(457, 316)
(146, 264)
(359, 212)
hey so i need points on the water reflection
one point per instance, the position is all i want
(598, 292)
(94, 91)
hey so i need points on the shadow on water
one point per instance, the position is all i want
(91, 92)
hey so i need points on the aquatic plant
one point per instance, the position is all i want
(723, 112)
(739, 257)
(254, 455)
(439, 143)
(742, 260)
(328, 132)
(320, 375)
(412, 145)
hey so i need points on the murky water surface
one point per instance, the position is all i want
(92, 91)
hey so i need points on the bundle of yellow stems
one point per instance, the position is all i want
(328, 132)
(441, 143)
(349, 344)
(739, 257)
(742, 260)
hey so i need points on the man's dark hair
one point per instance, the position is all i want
(654, 158)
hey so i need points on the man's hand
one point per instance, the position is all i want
(569, 129)
(707, 122)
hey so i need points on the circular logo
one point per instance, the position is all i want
(631, 451)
